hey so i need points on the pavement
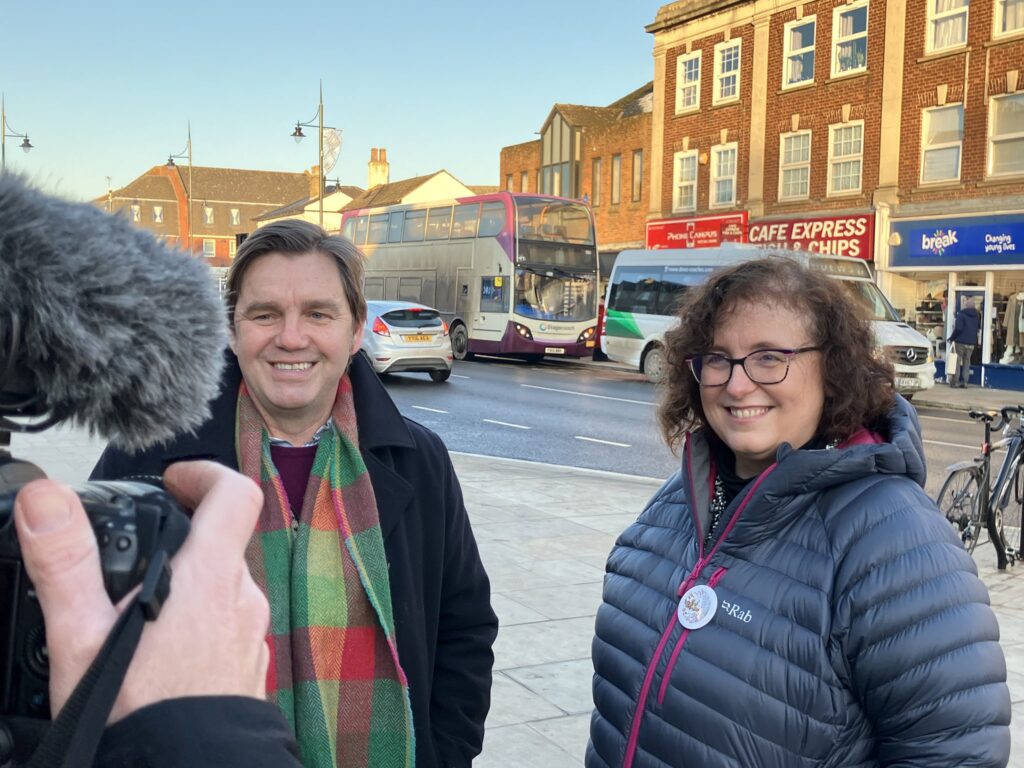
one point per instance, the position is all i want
(544, 533)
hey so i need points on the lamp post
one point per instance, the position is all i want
(316, 121)
(186, 153)
(5, 129)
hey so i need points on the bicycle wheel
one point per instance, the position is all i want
(1010, 518)
(958, 501)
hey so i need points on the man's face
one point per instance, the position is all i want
(294, 334)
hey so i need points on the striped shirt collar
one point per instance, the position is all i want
(314, 440)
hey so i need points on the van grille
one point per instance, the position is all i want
(908, 355)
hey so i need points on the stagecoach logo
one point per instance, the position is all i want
(543, 326)
(939, 242)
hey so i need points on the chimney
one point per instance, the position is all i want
(313, 177)
(379, 170)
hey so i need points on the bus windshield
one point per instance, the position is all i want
(555, 294)
(553, 221)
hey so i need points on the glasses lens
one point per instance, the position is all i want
(766, 367)
(713, 369)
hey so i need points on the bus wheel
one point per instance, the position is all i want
(460, 343)
(654, 365)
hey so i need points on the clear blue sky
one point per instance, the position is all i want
(106, 89)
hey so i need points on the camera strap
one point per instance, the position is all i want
(74, 737)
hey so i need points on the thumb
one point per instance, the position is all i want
(62, 559)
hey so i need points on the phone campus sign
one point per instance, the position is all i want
(957, 242)
(697, 231)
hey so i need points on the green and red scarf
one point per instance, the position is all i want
(334, 668)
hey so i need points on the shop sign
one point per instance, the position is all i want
(697, 231)
(960, 242)
(833, 235)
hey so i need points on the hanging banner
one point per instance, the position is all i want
(832, 235)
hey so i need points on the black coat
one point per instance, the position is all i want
(439, 590)
(966, 327)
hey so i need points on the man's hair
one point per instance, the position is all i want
(858, 383)
(294, 237)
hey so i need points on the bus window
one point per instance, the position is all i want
(439, 221)
(414, 221)
(493, 295)
(360, 230)
(673, 286)
(350, 229)
(492, 219)
(464, 220)
(395, 226)
(409, 289)
(378, 229)
(373, 287)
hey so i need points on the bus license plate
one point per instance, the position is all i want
(418, 337)
(554, 351)
(907, 383)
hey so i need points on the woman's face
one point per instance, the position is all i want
(755, 419)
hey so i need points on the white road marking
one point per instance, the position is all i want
(460, 376)
(951, 445)
(944, 418)
(603, 442)
(587, 394)
(424, 408)
(506, 424)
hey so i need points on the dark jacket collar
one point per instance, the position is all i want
(381, 425)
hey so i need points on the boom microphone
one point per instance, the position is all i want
(110, 329)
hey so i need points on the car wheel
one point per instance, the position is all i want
(460, 343)
(655, 365)
(440, 376)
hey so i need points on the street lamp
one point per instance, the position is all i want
(186, 153)
(317, 121)
(5, 129)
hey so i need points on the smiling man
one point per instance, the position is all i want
(381, 624)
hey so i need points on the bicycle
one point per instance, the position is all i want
(974, 512)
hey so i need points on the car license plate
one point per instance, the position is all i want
(907, 383)
(418, 337)
(554, 351)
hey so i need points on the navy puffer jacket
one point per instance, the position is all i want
(851, 628)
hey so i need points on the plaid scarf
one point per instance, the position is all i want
(334, 669)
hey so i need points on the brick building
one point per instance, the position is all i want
(597, 154)
(881, 129)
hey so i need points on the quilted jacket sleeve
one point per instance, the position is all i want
(918, 637)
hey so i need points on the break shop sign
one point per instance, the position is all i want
(833, 235)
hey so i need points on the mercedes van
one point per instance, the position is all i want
(646, 285)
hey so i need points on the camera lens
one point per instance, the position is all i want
(38, 657)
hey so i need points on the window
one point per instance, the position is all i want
(396, 223)
(1009, 17)
(684, 181)
(361, 223)
(464, 220)
(688, 82)
(209, 247)
(439, 222)
(727, 72)
(616, 179)
(236, 218)
(798, 59)
(795, 166)
(415, 222)
(493, 294)
(492, 219)
(158, 214)
(638, 174)
(723, 175)
(849, 39)
(378, 229)
(232, 247)
(136, 213)
(207, 214)
(1006, 135)
(508, 182)
(845, 155)
(524, 181)
(595, 183)
(942, 134)
(947, 24)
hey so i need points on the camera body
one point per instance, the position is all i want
(132, 521)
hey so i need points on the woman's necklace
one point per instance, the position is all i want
(718, 505)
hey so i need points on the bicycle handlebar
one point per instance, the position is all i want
(998, 419)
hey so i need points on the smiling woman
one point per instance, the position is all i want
(786, 594)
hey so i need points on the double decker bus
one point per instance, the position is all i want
(512, 274)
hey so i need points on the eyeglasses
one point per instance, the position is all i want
(762, 366)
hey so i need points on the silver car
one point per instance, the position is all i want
(402, 336)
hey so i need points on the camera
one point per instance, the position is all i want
(132, 521)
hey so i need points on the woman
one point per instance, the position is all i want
(791, 597)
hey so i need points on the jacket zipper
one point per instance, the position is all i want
(645, 689)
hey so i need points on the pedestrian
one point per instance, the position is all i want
(791, 596)
(964, 338)
(381, 622)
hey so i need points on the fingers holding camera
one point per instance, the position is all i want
(62, 560)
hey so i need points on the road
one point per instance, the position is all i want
(588, 416)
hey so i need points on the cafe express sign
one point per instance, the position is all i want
(834, 235)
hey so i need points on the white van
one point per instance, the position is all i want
(645, 287)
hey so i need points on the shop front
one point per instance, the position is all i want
(697, 231)
(939, 266)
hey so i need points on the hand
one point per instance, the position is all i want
(210, 636)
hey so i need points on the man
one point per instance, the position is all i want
(381, 624)
(964, 339)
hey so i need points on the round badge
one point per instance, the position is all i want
(697, 607)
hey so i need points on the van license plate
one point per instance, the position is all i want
(417, 337)
(907, 383)
(554, 351)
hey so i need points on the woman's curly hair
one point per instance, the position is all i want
(858, 381)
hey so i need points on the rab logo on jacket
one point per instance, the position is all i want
(731, 609)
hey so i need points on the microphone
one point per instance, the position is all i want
(104, 325)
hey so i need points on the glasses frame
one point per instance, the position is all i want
(742, 362)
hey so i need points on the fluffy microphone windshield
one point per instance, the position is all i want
(119, 333)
